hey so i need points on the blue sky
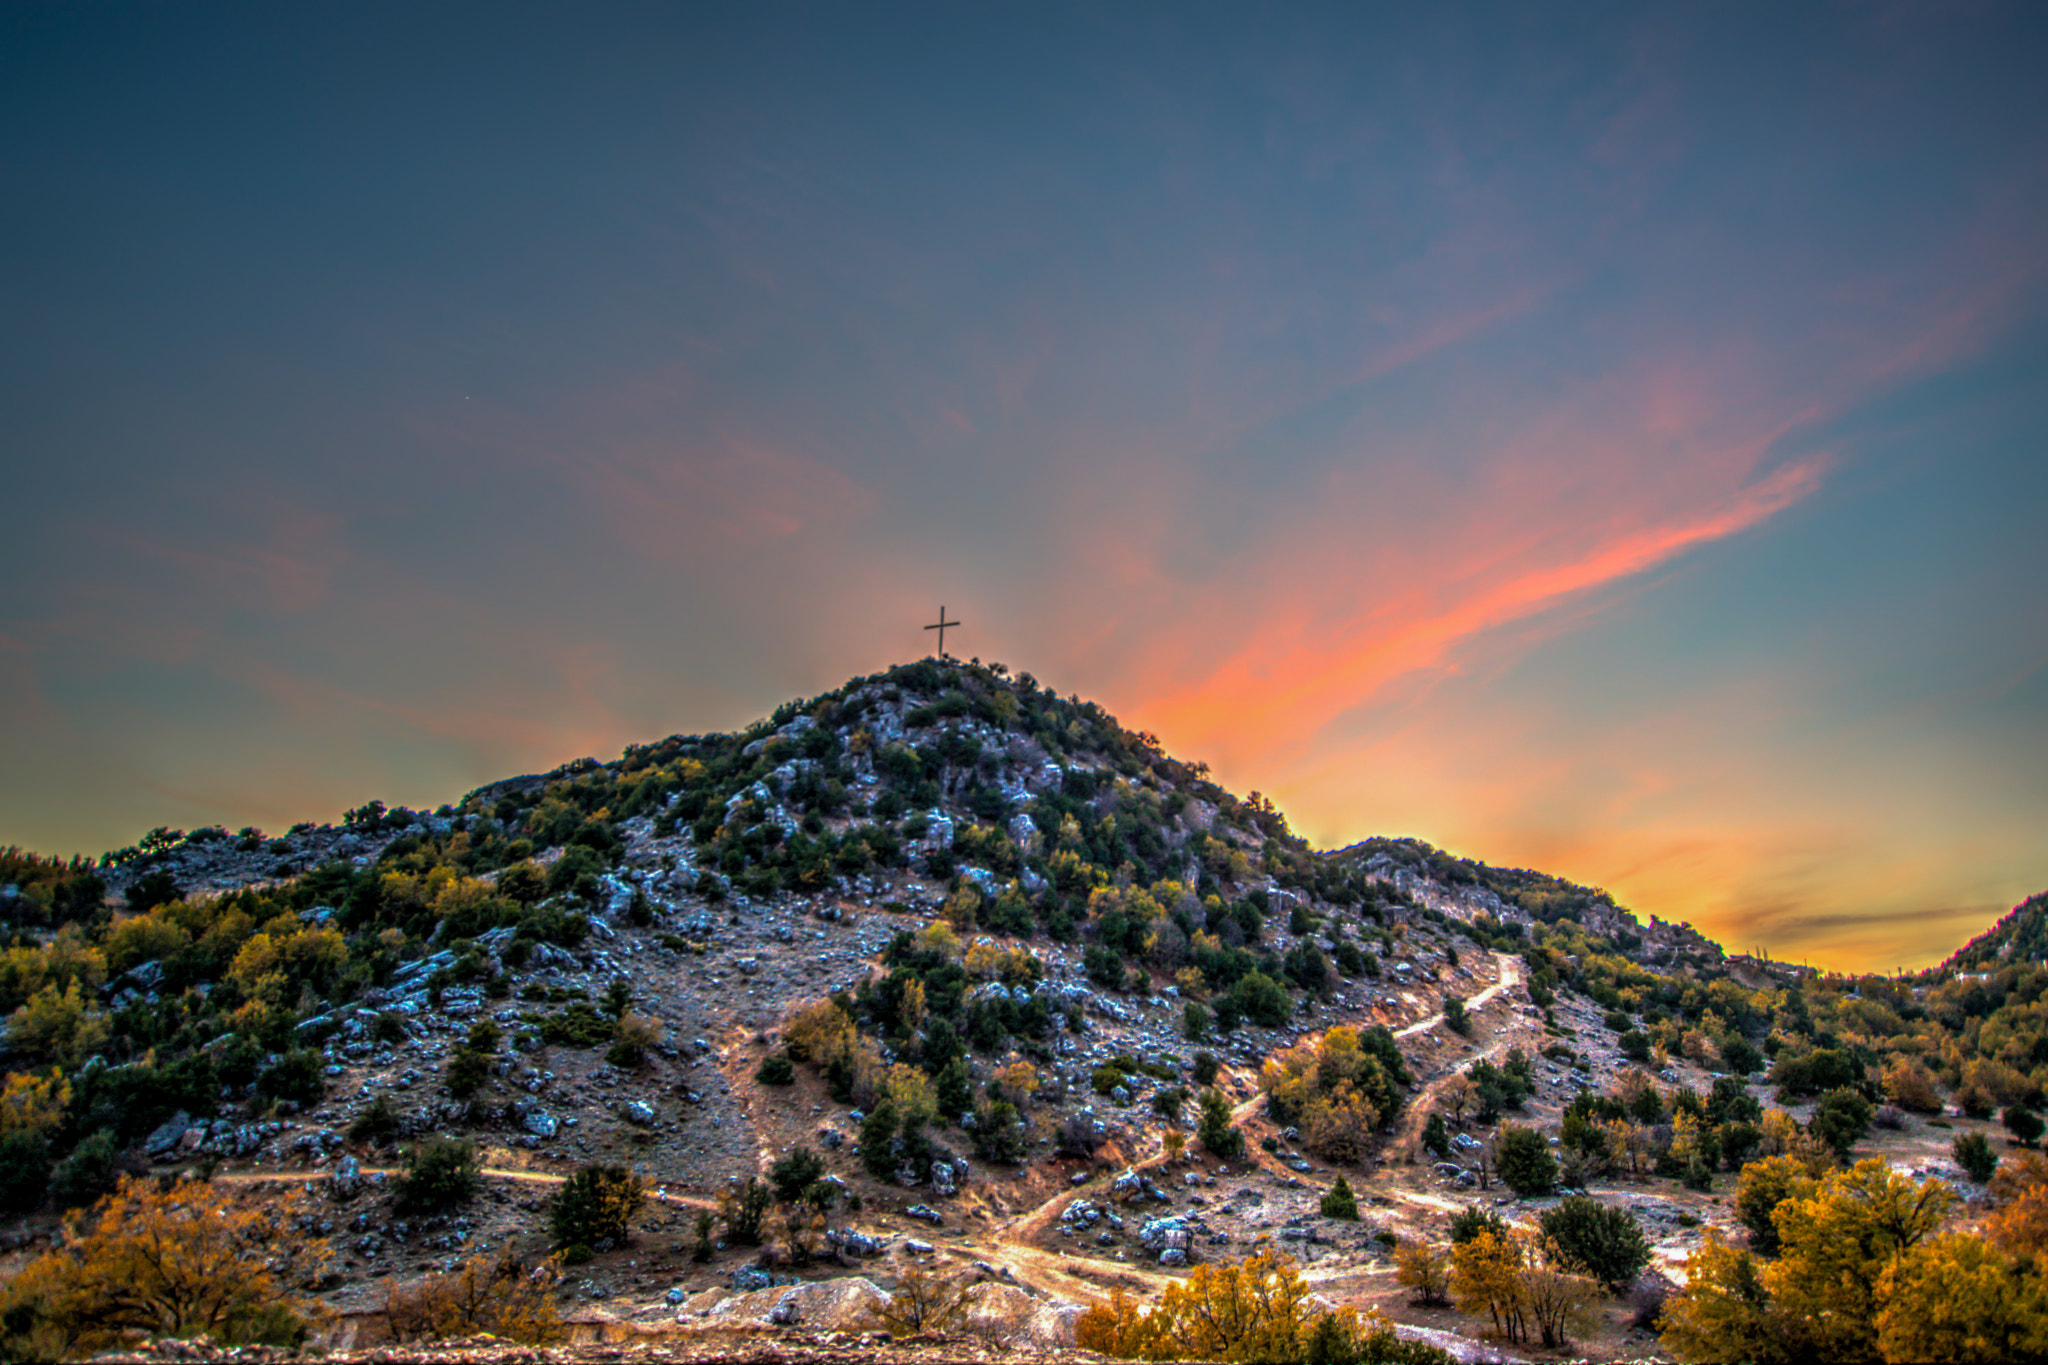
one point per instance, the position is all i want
(1606, 439)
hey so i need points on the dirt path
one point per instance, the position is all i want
(1509, 968)
(487, 1173)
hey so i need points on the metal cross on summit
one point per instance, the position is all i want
(940, 626)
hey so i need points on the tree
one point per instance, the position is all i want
(794, 1173)
(1255, 1311)
(1559, 1299)
(1762, 1187)
(1524, 1161)
(638, 1034)
(1436, 1137)
(1340, 1202)
(745, 1210)
(1486, 1277)
(1425, 1268)
(595, 1205)
(2023, 1123)
(922, 1302)
(438, 1176)
(1723, 1312)
(1824, 1296)
(498, 1295)
(1215, 1130)
(170, 1263)
(1961, 1298)
(1604, 1241)
(998, 1132)
(1472, 1220)
(1842, 1120)
(1973, 1153)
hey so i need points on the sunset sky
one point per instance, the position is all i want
(1606, 439)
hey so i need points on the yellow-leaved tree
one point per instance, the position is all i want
(1255, 1311)
(1847, 1245)
(495, 1295)
(174, 1262)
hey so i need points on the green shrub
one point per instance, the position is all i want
(1215, 1130)
(438, 1176)
(86, 1174)
(1524, 1160)
(376, 1125)
(596, 1206)
(794, 1173)
(776, 1069)
(1606, 1242)
(1340, 1202)
(577, 1025)
(1973, 1153)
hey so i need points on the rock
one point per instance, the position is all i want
(917, 1247)
(677, 1295)
(639, 1113)
(925, 1213)
(748, 1278)
(345, 1181)
(855, 1244)
(788, 1311)
(942, 1179)
(165, 1140)
(540, 1123)
(1163, 1234)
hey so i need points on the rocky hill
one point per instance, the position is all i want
(1011, 989)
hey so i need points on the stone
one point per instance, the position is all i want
(345, 1181)
(165, 1139)
(639, 1113)
(540, 1123)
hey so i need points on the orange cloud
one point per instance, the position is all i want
(1293, 676)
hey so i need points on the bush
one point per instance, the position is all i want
(1425, 1269)
(1255, 1311)
(1206, 1067)
(438, 1176)
(24, 1172)
(1842, 1120)
(2023, 1123)
(376, 1125)
(636, 1035)
(1604, 1241)
(1215, 1130)
(1524, 1161)
(1973, 1153)
(923, 1303)
(296, 1077)
(744, 1209)
(1340, 1202)
(794, 1173)
(597, 1205)
(1472, 1220)
(776, 1069)
(577, 1025)
(498, 1296)
(150, 1261)
(87, 1173)
(1455, 1016)
(998, 1132)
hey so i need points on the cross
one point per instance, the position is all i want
(940, 626)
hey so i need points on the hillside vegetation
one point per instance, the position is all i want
(941, 911)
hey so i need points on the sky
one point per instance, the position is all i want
(1607, 439)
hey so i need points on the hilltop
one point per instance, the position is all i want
(991, 981)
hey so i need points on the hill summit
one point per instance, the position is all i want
(938, 969)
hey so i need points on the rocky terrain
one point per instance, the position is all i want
(712, 894)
